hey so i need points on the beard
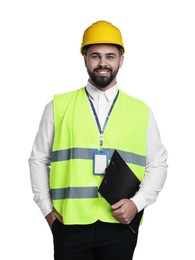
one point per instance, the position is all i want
(102, 82)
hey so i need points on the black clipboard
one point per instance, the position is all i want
(120, 182)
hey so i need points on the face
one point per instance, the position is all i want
(103, 62)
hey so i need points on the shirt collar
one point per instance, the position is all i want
(95, 92)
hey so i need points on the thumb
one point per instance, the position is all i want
(118, 204)
(58, 216)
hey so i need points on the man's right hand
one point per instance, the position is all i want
(53, 215)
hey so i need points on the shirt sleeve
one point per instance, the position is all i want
(40, 160)
(156, 167)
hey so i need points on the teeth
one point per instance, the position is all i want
(103, 71)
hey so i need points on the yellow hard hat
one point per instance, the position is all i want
(102, 32)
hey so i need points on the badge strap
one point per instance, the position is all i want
(101, 130)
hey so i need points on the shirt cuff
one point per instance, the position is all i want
(46, 207)
(139, 201)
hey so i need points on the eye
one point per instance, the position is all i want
(110, 57)
(95, 56)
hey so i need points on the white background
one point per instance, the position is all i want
(39, 56)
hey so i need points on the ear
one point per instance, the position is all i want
(121, 61)
(85, 60)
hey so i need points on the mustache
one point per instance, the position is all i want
(102, 68)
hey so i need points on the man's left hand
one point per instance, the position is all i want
(124, 211)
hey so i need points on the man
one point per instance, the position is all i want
(79, 125)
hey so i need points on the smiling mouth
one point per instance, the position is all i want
(102, 72)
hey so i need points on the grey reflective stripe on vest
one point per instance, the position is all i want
(74, 193)
(133, 158)
(73, 153)
(84, 153)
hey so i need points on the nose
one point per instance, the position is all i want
(102, 61)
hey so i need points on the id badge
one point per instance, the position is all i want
(100, 162)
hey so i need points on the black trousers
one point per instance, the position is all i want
(97, 241)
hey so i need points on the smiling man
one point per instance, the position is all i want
(103, 63)
(78, 133)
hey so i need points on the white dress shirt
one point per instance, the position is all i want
(40, 158)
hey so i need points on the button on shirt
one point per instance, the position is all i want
(103, 103)
(40, 158)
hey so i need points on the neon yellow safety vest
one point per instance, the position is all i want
(74, 187)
